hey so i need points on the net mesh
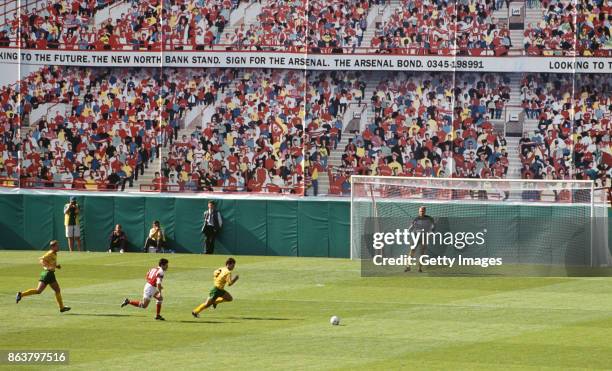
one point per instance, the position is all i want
(527, 222)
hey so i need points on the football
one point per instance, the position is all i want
(335, 320)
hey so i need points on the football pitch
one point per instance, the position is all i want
(280, 317)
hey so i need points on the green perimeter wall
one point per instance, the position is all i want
(250, 227)
(319, 228)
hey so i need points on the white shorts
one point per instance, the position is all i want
(149, 291)
(73, 231)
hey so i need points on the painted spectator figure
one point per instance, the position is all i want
(5, 40)
(156, 238)
(117, 239)
(141, 162)
(212, 225)
(71, 222)
(314, 178)
(113, 180)
(159, 182)
(121, 174)
(207, 182)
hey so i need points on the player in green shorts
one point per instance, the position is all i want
(47, 277)
(217, 294)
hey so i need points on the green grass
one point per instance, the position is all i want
(280, 317)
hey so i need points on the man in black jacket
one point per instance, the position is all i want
(117, 239)
(211, 227)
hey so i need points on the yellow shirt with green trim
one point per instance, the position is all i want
(49, 260)
(222, 276)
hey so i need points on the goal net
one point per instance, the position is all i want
(514, 223)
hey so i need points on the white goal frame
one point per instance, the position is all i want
(598, 196)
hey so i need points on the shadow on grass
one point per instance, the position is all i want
(265, 318)
(98, 315)
(205, 321)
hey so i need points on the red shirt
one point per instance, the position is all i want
(269, 163)
(155, 276)
(9, 165)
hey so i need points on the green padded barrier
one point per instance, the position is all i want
(129, 212)
(188, 224)
(282, 228)
(12, 224)
(250, 227)
(339, 229)
(38, 214)
(226, 240)
(313, 228)
(97, 222)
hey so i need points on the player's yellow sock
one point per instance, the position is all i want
(219, 300)
(29, 292)
(199, 308)
(58, 298)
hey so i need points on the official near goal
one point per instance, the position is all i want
(522, 222)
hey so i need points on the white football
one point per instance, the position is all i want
(335, 320)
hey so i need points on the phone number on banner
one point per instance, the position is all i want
(456, 64)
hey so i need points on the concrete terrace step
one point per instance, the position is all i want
(516, 38)
(149, 174)
(245, 14)
(533, 16)
(514, 166)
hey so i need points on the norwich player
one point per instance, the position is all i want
(47, 277)
(217, 295)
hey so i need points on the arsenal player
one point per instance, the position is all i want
(152, 289)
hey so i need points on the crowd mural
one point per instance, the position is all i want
(303, 132)
(283, 131)
(422, 27)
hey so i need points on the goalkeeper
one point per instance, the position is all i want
(422, 223)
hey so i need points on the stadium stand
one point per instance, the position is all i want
(594, 36)
(555, 31)
(286, 131)
(545, 149)
(134, 25)
(428, 27)
(195, 25)
(251, 141)
(330, 102)
(101, 127)
(335, 25)
(9, 145)
(551, 27)
(65, 24)
(424, 125)
(560, 27)
(567, 131)
(280, 25)
(479, 100)
(591, 133)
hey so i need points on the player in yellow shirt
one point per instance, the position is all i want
(47, 277)
(217, 295)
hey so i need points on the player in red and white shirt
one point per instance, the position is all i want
(152, 289)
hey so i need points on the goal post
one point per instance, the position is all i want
(523, 222)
